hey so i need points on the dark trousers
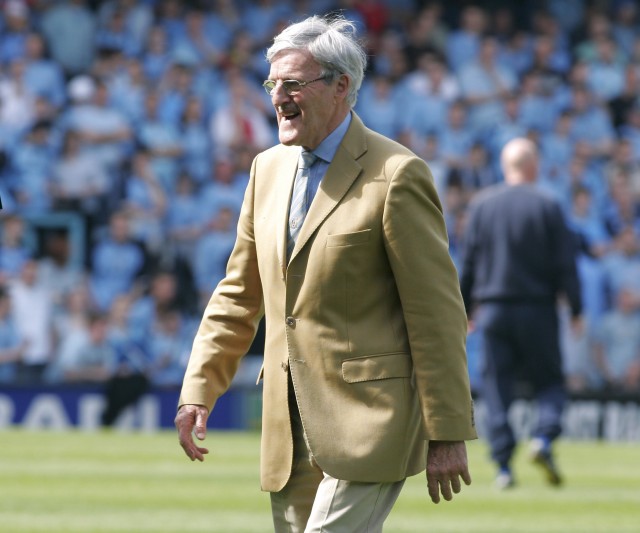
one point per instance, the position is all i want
(121, 392)
(520, 343)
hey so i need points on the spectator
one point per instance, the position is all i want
(624, 166)
(42, 76)
(58, 269)
(477, 173)
(591, 123)
(103, 130)
(463, 44)
(456, 139)
(156, 57)
(537, 107)
(198, 148)
(145, 203)
(69, 27)
(484, 82)
(14, 252)
(244, 121)
(30, 169)
(212, 253)
(426, 112)
(169, 349)
(630, 129)
(163, 142)
(79, 182)
(176, 88)
(184, 220)
(32, 305)
(14, 35)
(510, 126)
(621, 105)
(195, 47)
(622, 266)
(220, 191)
(426, 34)
(116, 263)
(625, 25)
(379, 105)
(557, 146)
(606, 73)
(113, 35)
(137, 19)
(221, 23)
(163, 294)
(18, 102)
(128, 90)
(622, 209)
(11, 345)
(617, 346)
(86, 355)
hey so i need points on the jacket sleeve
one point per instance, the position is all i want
(417, 248)
(230, 320)
(564, 254)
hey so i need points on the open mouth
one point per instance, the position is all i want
(289, 114)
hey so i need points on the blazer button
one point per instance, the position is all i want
(285, 366)
(290, 321)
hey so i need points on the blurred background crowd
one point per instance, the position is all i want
(128, 128)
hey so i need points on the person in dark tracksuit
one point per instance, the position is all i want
(518, 258)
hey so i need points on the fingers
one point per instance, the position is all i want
(433, 488)
(455, 485)
(201, 423)
(446, 464)
(466, 477)
(188, 417)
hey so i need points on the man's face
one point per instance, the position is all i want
(307, 117)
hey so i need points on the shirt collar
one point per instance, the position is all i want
(327, 149)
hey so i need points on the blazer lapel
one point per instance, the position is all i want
(342, 172)
(287, 169)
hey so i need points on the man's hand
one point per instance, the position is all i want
(446, 463)
(188, 418)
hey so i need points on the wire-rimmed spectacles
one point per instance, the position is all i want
(290, 87)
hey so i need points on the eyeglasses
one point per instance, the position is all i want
(290, 87)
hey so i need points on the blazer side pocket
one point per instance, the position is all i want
(374, 367)
(348, 239)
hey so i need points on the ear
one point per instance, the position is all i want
(342, 87)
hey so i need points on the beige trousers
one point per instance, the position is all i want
(314, 502)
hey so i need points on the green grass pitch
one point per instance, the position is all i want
(79, 482)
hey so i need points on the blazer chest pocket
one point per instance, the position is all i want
(374, 367)
(348, 239)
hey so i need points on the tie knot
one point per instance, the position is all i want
(307, 159)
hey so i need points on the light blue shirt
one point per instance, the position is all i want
(325, 152)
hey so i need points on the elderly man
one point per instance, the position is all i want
(365, 377)
(518, 259)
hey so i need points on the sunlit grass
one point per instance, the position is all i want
(119, 482)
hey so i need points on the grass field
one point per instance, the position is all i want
(118, 482)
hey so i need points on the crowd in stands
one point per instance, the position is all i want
(141, 120)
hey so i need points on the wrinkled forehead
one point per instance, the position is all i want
(293, 64)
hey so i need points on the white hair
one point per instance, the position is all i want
(332, 43)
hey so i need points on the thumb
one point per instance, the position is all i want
(201, 424)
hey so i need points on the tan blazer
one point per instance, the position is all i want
(367, 316)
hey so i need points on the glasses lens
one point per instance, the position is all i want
(291, 86)
(269, 86)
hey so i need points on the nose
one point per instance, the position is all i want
(279, 95)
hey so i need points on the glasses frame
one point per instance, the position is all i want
(273, 83)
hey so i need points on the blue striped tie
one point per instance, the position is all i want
(298, 209)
